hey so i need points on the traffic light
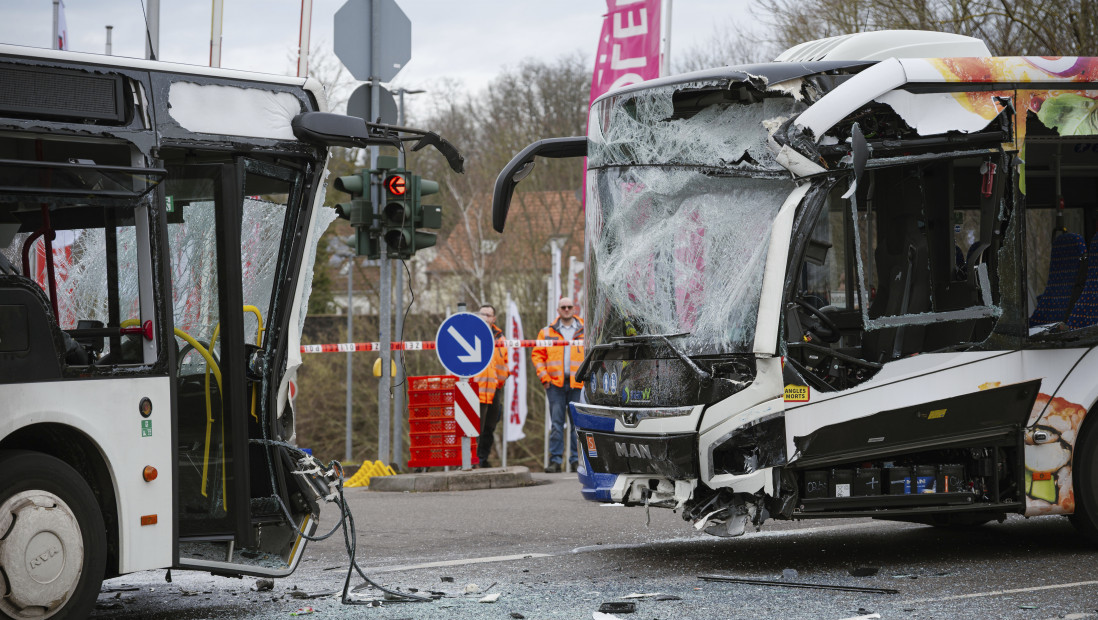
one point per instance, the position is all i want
(426, 216)
(361, 214)
(398, 219)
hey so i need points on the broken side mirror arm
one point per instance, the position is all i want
(520, 166)
(327, 129)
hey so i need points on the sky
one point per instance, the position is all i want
(467, 41)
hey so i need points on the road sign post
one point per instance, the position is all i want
(465, 346)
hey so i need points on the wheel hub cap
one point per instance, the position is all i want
(41, 554)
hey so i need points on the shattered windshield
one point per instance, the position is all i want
(681, 203)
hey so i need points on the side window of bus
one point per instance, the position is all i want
(74, 218)
(928, 256)
(1061, 205)
(903, 268)
(94, 276)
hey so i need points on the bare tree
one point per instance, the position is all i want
(1009, 27)
(730, 43)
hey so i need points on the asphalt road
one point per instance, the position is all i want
(549, 554)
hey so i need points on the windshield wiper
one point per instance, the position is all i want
(703, 376)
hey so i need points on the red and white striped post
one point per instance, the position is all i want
(467, 416)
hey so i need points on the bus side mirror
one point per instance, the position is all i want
(522, 164)
(327, 129)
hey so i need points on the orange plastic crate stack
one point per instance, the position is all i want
(435, 435)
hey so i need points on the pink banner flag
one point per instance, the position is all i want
(629, 47)
(515, 389)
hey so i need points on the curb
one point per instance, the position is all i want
(494, 478)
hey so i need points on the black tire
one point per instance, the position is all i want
(34, 471)
(1084, 480)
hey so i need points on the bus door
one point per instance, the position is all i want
(226, 227)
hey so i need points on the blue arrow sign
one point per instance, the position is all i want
(464, 344)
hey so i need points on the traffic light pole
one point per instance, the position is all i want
(385, 294)
(399, 396)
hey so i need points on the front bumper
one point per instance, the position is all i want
(608, 457)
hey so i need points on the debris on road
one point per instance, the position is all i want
(668, 597)
(122, 588)
(618, 607)
(793, 584)
(865, 617)
(303, 611)
(640, 595)
(491, 598)
(448, 579)
(864, 571)
(471, 588)
(517, 616)
(263, 585)
(302, 594)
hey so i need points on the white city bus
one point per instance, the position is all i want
(158, 225)
(861, 280)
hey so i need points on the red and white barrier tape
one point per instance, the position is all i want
(426, 345)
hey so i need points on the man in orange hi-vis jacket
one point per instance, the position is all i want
(557, 366)
(489, 382)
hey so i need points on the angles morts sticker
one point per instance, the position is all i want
(797, 393)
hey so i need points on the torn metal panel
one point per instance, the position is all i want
(747, 449)
(253, 112)
(852, 95)
(937, 113)
(929, 318)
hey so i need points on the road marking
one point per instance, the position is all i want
(1054, 586)
(461, 562)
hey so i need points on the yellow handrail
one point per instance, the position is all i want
(212, 367)
(206, 459)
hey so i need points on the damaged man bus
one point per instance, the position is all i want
(158, 225)
(861, 280)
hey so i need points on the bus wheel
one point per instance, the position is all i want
(1084, 474)
(52, 540)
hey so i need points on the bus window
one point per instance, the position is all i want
(1061, 202)
(90, 209)
(930, 279)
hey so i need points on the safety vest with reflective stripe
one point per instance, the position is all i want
(549, 361)
(495, 375)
